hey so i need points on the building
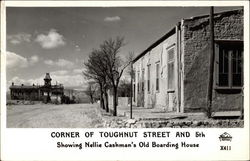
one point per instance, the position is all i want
(172, 73)
(37, 93)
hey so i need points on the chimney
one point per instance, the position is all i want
(22, 84)
(13, 84)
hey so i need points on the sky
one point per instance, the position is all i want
(58, 40)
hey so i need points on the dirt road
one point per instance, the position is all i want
(53, 116)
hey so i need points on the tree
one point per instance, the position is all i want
(96, 70)
(106, 67)
(91, 90)
(113, 64)
(124, 89)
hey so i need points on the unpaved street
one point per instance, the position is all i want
(53, 116)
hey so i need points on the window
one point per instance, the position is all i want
(157, 75)
(142, 85)
(171, 68)
(149, 77)
(229, 64)
(138, 82)
(134, 93)
(133, 75)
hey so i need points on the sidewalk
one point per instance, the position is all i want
(156, 113)
(158, 118)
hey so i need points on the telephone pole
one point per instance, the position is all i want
(211, 64)
(131, 91)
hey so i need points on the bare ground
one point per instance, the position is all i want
(53, 116)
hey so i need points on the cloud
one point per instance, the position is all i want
(63, 63)
(17, 81)
(33, 59)
(69, 80)
(111, 19)
(60, 63)
(77, 48)
(59, 72)
(77, 71)
(79, 61)
(15, 41)
(19, 38)
(15, 60)
(52, 40)
(49, 62)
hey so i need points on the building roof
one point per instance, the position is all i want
(35, 87)
(23, 87)
(164, 37)
(222, 13)
(47, 76)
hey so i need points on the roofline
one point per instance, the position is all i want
(168, 34)
(172, 31)
(217, 13)
(23, 87)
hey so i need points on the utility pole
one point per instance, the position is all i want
(242, 103)
(131, 91)
(211, 64)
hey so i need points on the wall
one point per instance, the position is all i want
(122, 101)
(227, 26)
(153, 98)
(24, 94)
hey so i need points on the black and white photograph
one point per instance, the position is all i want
(124, 67)
(124, 80)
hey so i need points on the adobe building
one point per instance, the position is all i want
(35, 92)
(172, 73)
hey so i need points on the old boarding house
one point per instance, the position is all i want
(172, 73)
